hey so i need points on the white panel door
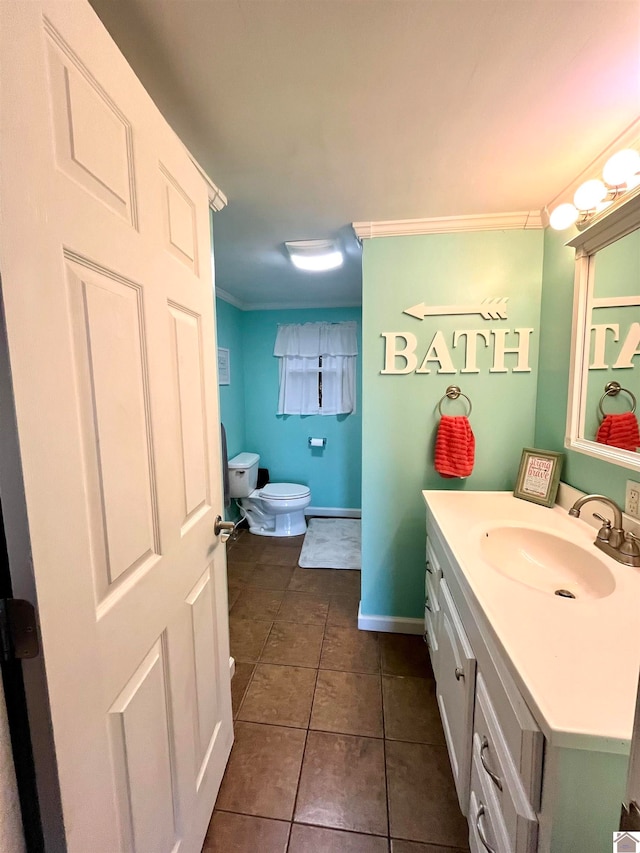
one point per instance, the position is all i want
(107, 290)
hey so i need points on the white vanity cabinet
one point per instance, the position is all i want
(524, 786)
(496, 755)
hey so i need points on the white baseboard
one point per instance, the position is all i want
(333, 512)
(390, 624)
(232, 667)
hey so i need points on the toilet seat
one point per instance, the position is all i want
(283, 491)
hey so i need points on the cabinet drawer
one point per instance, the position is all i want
(520, 736)
(433, 564)
(498, 772)
(456, 691)
(431, 592)
(432, 620)
(487, 833)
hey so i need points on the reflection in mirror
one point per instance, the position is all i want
(601, 419)
(614, 352)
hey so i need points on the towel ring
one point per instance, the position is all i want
(612, 389)
(453, 392)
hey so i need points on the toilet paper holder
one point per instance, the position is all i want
(317, 442)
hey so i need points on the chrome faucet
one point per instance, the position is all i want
(613, 540)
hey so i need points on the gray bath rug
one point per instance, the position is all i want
(331, 543)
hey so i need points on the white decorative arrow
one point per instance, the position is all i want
(489, 309)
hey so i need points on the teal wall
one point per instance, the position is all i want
(399, 411)
(248, 408)
(333, 474)
(585, 473)
(232, 411)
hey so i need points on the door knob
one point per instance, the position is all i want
(220, 526)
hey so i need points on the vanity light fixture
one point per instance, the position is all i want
(621, 173)
(315, 255)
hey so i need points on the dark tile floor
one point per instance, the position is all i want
(338, 742)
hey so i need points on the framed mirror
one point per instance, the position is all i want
(605, 370)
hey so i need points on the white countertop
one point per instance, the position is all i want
(576, 662)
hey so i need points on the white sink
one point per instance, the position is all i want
(538, 558)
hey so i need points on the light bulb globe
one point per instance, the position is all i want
(563, 216)
(621, 168)
(589, 195)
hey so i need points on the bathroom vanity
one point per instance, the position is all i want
(536, 690)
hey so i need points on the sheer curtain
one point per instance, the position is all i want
(317, 368)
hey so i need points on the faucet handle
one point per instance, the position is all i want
(630, 545)
(605, 530)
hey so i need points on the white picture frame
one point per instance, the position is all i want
(224, 366)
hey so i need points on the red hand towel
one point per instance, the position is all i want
(455, 447)
(620, 431)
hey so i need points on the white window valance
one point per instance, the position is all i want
(312, 340)
(317, 368)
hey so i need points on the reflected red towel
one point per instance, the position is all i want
(620, 431)
(455, 447)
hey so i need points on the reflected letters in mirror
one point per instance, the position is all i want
(605, 376)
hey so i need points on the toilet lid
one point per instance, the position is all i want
(284, 491)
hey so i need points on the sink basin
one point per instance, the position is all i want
(538, 558)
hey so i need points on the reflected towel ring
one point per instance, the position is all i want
(453, 392)
(612, 389)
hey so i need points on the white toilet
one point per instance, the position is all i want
(276, 509)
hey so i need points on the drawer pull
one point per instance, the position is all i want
(426, 604)
(429, 569)
(493, 776)
(484, 841)
(459, 673)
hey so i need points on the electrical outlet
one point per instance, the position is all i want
(632, 499)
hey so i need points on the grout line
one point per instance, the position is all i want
(306, 823)
(384, 753)
(338, 829)
(295, 799)
(306, 739)
(246, 690)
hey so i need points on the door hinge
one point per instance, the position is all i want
(18, 634)
(630, 817)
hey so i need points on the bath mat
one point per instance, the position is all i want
(331, 543)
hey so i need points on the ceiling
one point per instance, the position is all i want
(312, 114)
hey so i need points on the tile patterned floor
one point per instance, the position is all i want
(338, 742)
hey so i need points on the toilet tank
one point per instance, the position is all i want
(243, 474)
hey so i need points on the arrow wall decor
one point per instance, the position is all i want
(488, 309)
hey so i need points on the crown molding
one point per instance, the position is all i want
(527, 219)
(285, 306)
(232, 300)
(298, 306)
(217, 199)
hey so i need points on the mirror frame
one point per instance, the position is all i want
(619, 220)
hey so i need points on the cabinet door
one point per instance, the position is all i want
(455, 691)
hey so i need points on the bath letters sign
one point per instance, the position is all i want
(401, 357)
(400, 349)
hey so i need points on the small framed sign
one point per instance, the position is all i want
(224, 366)
(539, 476)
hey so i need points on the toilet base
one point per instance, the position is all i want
(286, 524)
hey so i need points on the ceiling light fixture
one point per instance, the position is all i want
(315, 255)
(621, 173)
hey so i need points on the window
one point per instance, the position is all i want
(317, 368)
